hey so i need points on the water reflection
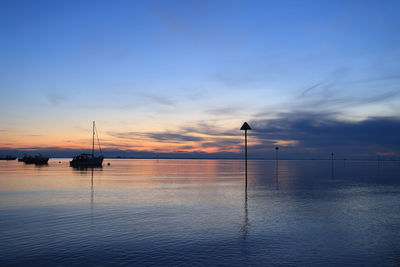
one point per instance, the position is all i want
(194, 212)
(39, 165)
(85, 170)
(91, 199)
(272, 175)
(91, 194)
(277, 175)
(245, 226)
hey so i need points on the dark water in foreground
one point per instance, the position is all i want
(195, 212)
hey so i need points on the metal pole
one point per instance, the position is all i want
(245, 127)
(245, 154)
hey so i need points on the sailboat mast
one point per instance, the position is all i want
(93, 142)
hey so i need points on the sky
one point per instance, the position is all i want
(181, 77)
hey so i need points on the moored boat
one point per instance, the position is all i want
(38, 159)
(88, 160)
(8, 157)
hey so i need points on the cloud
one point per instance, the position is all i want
(334, 92)
(56, 99)
(321, 133)
(158, 99)
(200, 136)
(309, 89)
(34, 148)
(237, 80)
(209, 129)
(126, 135)
(223, 111)
(299, 135)
(173, 137)
(160, 137)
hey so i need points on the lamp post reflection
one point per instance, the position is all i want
(244, 228)
(277, 176)
(276, 167)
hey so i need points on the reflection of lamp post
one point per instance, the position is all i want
(276, 167)
(245, 127)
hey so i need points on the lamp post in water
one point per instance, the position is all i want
(244, 128)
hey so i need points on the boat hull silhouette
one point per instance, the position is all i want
(39, 160)
(8, 157)
(86, 160)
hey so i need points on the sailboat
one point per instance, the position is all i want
(88, 160)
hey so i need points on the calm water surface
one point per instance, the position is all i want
(196, 212)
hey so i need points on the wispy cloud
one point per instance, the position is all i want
(339, 96)
(209, 129)
(309, 89)
(223, 111)
(158, 99)
(160, 137)
(174, 137)
(199, 136)
(56, 99)
(235, 80)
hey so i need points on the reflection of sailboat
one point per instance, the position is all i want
(91, 194)
(88, 160)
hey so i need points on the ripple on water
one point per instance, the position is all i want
(180, 212)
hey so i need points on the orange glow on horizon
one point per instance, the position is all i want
(189, 142)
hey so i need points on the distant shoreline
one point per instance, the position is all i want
(195, 158)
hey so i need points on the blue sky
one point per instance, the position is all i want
(146, 69)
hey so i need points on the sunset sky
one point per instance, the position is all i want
(174, 77)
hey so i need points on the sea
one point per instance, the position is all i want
(174, 212)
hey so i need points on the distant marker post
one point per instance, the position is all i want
(244, 128)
